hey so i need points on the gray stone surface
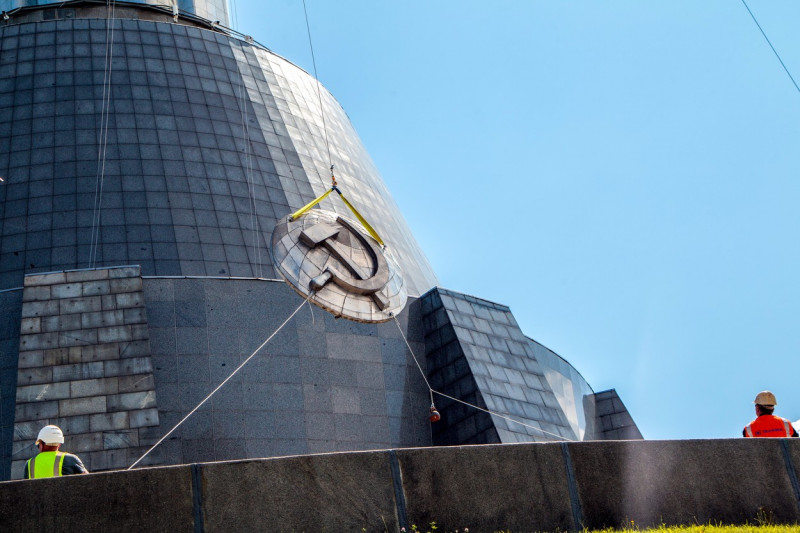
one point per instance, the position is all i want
(518, 487)
(470, 358)
(793, 449)
(477, 353)
(336, 492)
(141, 500)
(76, 377)
(487, 488)
(614, 419)
(683, 482)
(177, 199)
(317, 380)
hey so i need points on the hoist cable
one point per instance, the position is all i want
(221, 384)
(770, 45)
(319, 90)
(102, 140)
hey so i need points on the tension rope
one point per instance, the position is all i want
(432, 391)
(222, 384)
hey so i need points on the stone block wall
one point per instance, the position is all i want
(84, 365)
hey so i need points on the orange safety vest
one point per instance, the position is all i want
(769, 426)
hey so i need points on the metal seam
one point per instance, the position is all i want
(399, 494)
(787, 458)
(197, 498)
(575, 502)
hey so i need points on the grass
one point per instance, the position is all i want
(706, 529)
(432, 528)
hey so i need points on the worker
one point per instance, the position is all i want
(766, 424)
(50, 462)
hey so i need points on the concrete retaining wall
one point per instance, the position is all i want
(520, 487)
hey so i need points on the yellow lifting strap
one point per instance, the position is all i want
(300, 212)
(361, 219)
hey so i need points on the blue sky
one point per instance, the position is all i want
(624, 175)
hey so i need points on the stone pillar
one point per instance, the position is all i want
(84, 365)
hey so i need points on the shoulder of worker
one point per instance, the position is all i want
(794, 429)
(73, 465)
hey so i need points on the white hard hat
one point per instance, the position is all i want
(50, 435)
(765, 398)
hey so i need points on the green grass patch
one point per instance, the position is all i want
(704, 529)
(434, 528)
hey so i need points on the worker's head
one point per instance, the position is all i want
(50, 438)
(765, 403)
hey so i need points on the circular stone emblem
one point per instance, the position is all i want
(340, 265)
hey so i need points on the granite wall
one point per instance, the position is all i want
(518, 487)
(321, 384)
(118, 360)
(84, 365)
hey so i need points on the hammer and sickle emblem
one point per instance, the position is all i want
(358, 279)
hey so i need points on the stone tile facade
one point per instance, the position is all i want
(615, 421)
(179, 196)
(477, 353)
(85, 365)
(10, 305)
(320, 385)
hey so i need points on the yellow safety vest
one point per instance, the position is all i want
(46, 464)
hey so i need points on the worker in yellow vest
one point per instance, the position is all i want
(766, 424)
(50, 462)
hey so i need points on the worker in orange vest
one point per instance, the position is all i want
(766, 424)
